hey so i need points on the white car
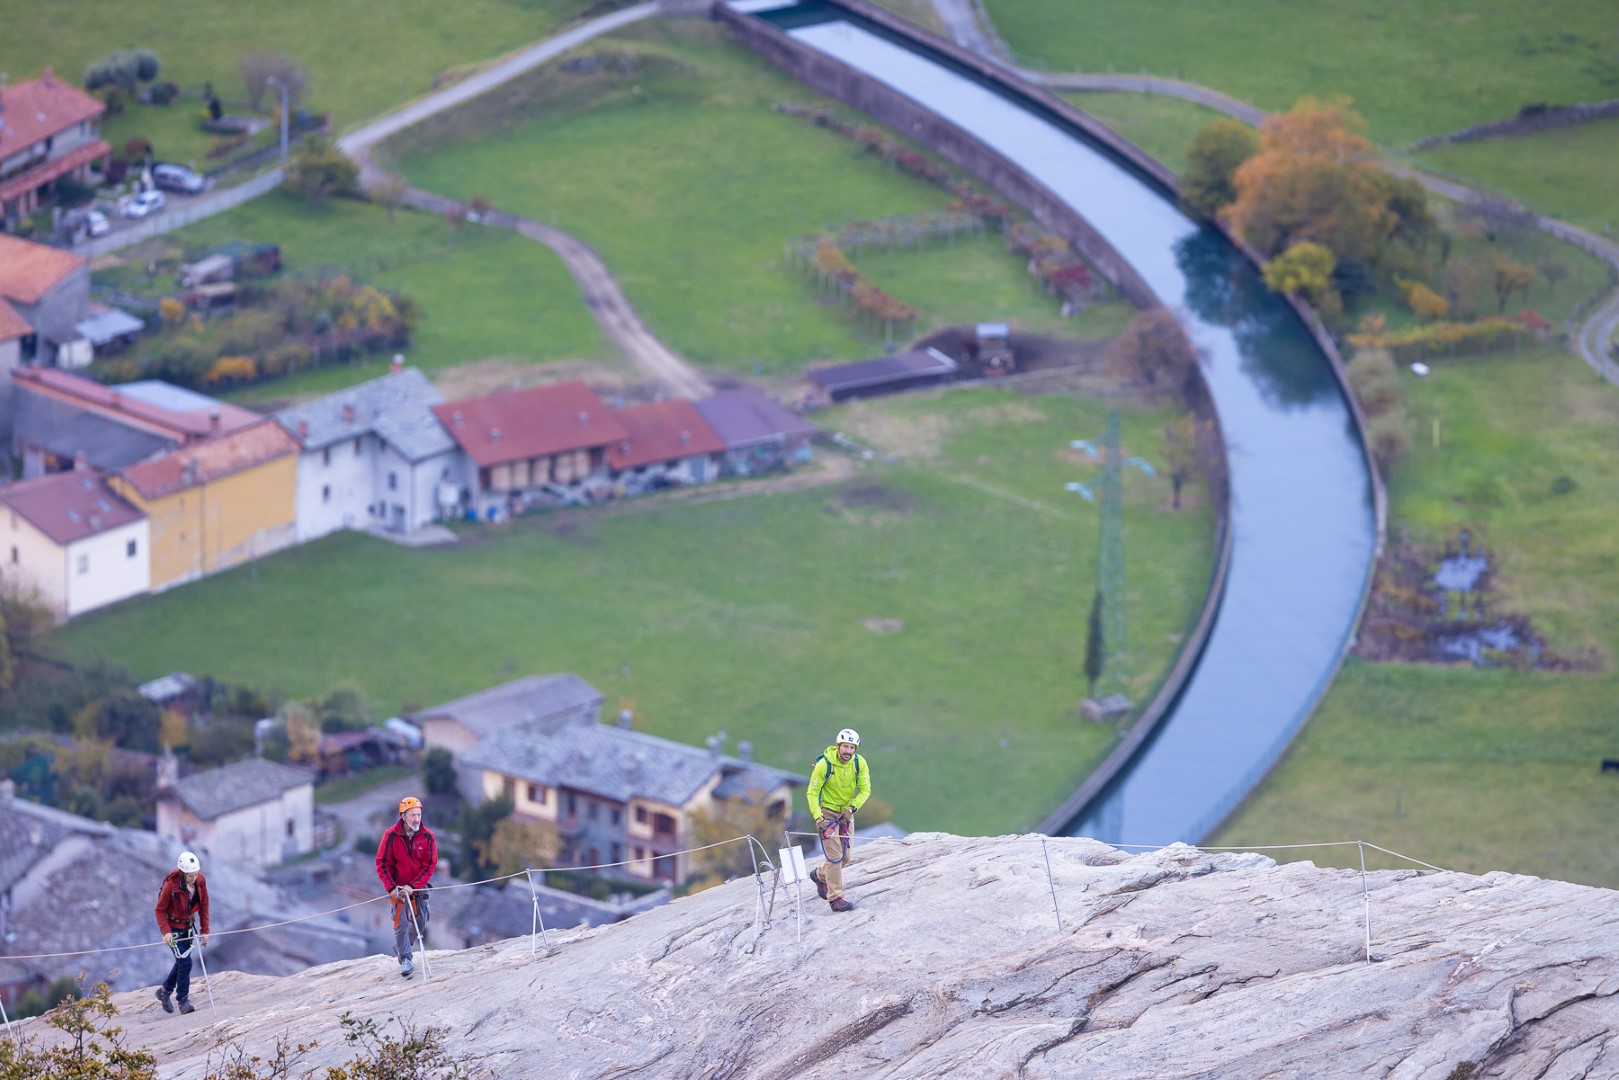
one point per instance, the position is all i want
(96, 223)
(171, 177)
(147, 202)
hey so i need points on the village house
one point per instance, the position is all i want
(216, 504)
(374, 456)
(253, 812)
(666, 442)
(529, 445)
(759, 434)
(543, 703)
(60, 420)
(74, 542)
(621, 796)
(49, 129)
(48, 289)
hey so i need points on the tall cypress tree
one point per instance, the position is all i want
(1095, 647)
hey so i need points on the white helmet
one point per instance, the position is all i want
(849, 735)
(189, 863)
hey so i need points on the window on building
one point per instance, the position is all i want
(84, 564)
(130, 549)
(393, 481)
(571, 804)
(640, 815)
(640, 852)
(618, 816)
(292, 828)
(326, 456)
(13, 552)
(359, 443)
(326, 493)
(617, 853)
(664, 825)
(593, 811)
(536, 794)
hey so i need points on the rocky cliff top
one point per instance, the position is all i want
(965, 959)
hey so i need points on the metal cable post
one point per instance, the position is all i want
(538, 925)
(1366, 897)
(196, 947)
(427, 967)
(9, 1033)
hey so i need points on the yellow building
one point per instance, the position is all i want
(216, 504)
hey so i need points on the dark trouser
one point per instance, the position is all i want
(179, 980)
(404, 931)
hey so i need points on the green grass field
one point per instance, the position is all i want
(1412, 68)
(681, 162)
(362, 59)
(1479, 769)
(761, 615)
(485, 294)
(1568, 174)
(1162, 126)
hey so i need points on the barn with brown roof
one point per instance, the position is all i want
(667, 442)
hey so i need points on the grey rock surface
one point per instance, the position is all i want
(964, 959)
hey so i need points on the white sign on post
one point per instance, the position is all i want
(792, 864)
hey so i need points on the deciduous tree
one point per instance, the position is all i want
(1509, 276)
(1182, 442)
(259, 67)
(1217, 150)
(1155, 349)
(318, 169)
(515, 846)
(1315, 179)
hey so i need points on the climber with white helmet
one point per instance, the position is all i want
(406, 859)
(839, 784)
(182, 904)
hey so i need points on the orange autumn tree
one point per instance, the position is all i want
(1314, 179)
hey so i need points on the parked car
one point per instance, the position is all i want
(96, 223)
(171, 177)
(147, 202)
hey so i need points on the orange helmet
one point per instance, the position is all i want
(409, 802)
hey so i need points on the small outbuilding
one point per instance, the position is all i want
(885, 375)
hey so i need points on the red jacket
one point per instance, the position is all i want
(406, 862)
(175, 904)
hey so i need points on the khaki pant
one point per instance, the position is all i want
(839, 854)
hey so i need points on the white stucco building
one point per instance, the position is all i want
(374, 456)
(73, 541)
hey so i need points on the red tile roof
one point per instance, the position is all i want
(209, 461)
(110, 402)
(12, 325)
(662, 431)
(520, 424)
(28, 270)
(42, 107)
(69, 506)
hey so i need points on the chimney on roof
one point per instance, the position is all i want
(494, 434)
(713, 742)
(584, 418)
(744, 750)
(303, 429)
(397, 365)
(348, 412)
(455, 418)
(626, 718)
(213, 420)
(685, 437)
(80, 462)
(49, 78)
(168, 770)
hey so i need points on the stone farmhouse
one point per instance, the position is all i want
(253, 812)
(374, 456)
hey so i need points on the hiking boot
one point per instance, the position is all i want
(840, 904)
(820, 887)
(186, 1006)
(164, 999)
(406, 967)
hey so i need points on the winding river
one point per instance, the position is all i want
(1302, 527)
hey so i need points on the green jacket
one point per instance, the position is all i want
(834, 786)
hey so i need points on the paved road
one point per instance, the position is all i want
(1592, 339)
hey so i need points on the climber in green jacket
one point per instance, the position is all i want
(839, 784)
